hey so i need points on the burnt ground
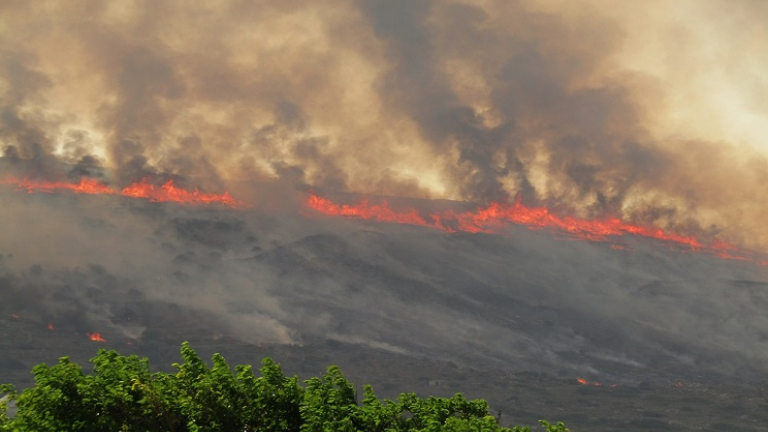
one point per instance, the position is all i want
(678, 339)
(655, 404)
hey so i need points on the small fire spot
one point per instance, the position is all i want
(96, 337)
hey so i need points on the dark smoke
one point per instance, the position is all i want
(461, 100)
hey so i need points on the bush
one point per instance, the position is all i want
(122, 395)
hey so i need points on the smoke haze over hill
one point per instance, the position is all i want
(653, 112)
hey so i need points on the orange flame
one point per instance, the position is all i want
(168, 192)
(582, 381)
(96, 337)
(496, 215)
(364, 210)
(85, 186)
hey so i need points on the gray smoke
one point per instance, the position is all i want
(459, 100)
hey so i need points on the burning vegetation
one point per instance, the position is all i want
(490, 218)
(493, 217)
(96, 337)
(400, 99)
(143, 189)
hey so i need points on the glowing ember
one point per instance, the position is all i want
(143, 189)
(96, 337)
(582, 381)
(496, 215)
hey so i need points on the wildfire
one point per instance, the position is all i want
(170, 192)
(496, 215)
(96, 337)
(143, 189)
(582, 381)
(487, 219)
(85, 186)
(364, 210)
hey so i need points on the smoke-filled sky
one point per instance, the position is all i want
(655, 111)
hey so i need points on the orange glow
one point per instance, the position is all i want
(495, 216)
(142, 189)
(85, 186)
(169, 192)
(582, 381)
(96, 337)
(50, 327)
(364, 210)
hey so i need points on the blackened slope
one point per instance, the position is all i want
(527, 302)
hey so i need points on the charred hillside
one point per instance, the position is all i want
(402, 307)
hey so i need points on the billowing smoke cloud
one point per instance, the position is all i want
(593, 108)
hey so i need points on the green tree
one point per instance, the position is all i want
(123, 395)
(329, 403)
(61, 395)
(7, 395)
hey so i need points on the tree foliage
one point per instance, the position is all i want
(123, 395)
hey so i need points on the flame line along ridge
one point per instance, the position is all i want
(494, 216)
(142, 189)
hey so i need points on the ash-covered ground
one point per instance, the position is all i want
(677, 339)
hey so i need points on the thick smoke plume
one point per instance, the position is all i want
(654, 112)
